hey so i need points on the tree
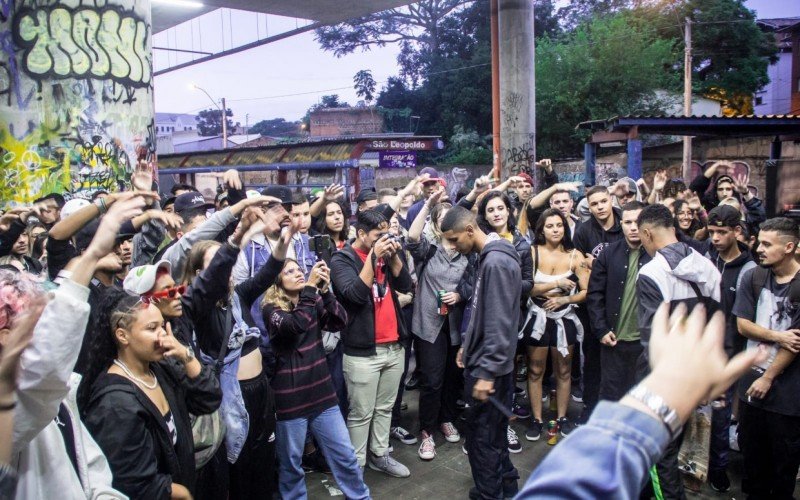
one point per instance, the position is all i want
(418, 28)
(276, 127)
(577, 12)
(209, 122)
(610, 66)
(364, 85)
(731, 54)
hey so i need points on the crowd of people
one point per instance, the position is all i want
(162, 346)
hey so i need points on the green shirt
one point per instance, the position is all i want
(628, 324)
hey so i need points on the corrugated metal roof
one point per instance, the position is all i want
(709, 126)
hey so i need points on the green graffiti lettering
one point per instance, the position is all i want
(105, 42)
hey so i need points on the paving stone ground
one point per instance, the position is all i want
(448, 475)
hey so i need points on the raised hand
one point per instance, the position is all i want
(142, 177)
(740, 182)
(436, 197)
(333, 192)
(659, 180)
(19, 213)
(231, 179)
(170, 220)
(127, 206)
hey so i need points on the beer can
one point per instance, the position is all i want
(552, 432)
(441, 306)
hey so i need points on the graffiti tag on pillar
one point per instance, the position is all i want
(510, 109)
(106, 43)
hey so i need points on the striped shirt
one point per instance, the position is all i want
(302, 382)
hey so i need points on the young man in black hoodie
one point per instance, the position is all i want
(732, 259)
(676, 274)
(487, 352)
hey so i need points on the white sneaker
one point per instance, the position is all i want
(427, 449)
(514, 446)
(450, 432)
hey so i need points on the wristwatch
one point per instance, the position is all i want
(658, 406)
(189, 353)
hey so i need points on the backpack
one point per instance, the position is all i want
(760, 276)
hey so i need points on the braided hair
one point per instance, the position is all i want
(117, 309)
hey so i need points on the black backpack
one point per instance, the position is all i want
(760, 276)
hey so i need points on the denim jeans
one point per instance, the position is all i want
(331, 435)
(720, 434)
(372, 383)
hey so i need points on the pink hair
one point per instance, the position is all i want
(16, 292)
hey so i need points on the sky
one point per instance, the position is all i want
(283, 79)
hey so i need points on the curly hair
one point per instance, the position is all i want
(16, 292)
(117, 309)
(484, 224)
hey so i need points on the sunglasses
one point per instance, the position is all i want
(168, 293)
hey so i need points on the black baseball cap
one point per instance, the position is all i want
(191, 201)
(724, 216)
(283, 193)
(366, 195)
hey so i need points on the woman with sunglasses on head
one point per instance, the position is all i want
(138, 390)
(295, 312)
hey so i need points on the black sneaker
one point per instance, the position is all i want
(522, 373)
(413, 383)
(534, 431)
(565, 426)
(520, 410)
(577, 394)
(315, 462)
(718, 479)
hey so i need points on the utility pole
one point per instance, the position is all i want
(246, 123)
(224, 125)
(687, 97)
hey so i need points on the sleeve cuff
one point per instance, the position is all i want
(648, 433)
(75, 290)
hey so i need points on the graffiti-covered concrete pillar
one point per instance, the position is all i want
(76, 96)
(517, 89)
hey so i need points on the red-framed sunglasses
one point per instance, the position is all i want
(168, 293)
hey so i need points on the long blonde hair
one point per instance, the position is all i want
(276, 294)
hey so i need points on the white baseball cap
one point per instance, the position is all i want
(142, 279)
(73, 206)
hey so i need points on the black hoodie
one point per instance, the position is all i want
(590, 237)
(732, 273)
(491, 337)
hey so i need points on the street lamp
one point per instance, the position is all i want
(222, 110)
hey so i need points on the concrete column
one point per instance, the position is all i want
(517, 88)
(76, 96)
(589, 158)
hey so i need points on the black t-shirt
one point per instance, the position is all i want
(773, 310)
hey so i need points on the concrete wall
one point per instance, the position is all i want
(345, 121)
(776, 95)
(76, 96)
